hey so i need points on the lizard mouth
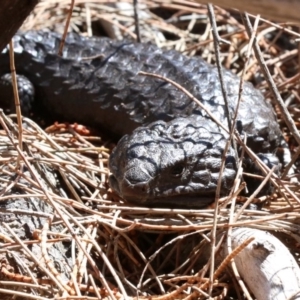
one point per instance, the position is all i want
(184, 201)
(188, 200)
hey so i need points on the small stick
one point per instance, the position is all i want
(16, 93)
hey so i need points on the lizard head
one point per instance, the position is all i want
(172, 164)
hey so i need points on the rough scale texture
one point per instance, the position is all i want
(96, 82)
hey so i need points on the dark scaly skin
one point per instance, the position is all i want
(107, 91)
(177, 164)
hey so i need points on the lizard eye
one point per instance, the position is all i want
(177, 170)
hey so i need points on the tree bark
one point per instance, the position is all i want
(12, 15)
(278, 10)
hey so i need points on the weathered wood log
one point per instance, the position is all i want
(12, 15)
(278, 10)
(266, 265)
